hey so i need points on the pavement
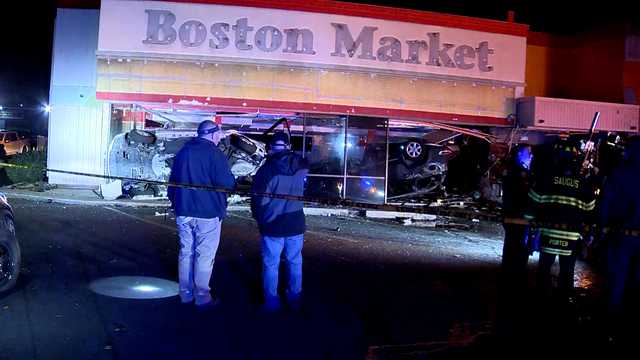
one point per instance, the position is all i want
(88, 197)
(373, 290)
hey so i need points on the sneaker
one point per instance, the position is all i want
(186, 297)
(209, 305)
(294, 302)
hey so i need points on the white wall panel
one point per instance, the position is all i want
(78, 124)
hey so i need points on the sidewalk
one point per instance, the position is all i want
(88, 197)
(78, 197)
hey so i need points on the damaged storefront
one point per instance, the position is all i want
(381, 104)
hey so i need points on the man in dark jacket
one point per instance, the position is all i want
(281, 221)
(515, 187)
(199, 212)
(620, 212)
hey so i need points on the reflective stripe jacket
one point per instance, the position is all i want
(561, 198)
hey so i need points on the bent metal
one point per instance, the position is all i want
(162, 30)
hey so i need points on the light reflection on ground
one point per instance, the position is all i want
(134, 287)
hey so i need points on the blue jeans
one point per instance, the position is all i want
(272, 248)
(199, 239)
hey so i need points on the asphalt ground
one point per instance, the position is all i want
(371, 290)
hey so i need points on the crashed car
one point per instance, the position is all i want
(417, 167)
(149, 155)
(418, 160)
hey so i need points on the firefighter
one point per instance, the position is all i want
(561, 200)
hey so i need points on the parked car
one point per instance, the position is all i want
(14, 142)
(9, 248)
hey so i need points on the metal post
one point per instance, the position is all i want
(304, 135)
(345, 158)
(386, 165)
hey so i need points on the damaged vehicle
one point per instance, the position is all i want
(417, 164)
(149, 155)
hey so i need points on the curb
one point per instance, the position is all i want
(311, 211)
(161, 204)
(56, 200)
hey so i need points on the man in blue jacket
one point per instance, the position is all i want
(281, 221)
(199, 212)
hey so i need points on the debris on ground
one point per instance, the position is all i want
(237, 199)
(39, 186)
(454, 226)
(111, 191)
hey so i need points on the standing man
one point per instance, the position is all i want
(280, 221)
(560, 195)
(199, 212)
(620, 213)
(515, 252)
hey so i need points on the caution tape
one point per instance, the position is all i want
(461, 213)
(430, 210)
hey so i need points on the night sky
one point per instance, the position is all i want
(27, 31)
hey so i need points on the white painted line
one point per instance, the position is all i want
(167, 227)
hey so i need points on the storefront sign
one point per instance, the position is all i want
(255, 35)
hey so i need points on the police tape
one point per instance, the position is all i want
(437, 211)
(428, 210)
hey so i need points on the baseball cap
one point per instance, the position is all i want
(279, 139)
(207, 127)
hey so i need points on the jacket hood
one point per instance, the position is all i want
(288, 162)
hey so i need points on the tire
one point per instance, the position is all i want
(9, 253)
(413, 150)
(141, 137)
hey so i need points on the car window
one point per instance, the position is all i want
(11, 137)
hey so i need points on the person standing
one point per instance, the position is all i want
(620, 214)
(515, 252)
(199, 212)
(560, 195)
(281, 221)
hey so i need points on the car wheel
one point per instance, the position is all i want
(9, 253)
(413, 150)
(141, 137)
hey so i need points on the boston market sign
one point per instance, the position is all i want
(255, 35)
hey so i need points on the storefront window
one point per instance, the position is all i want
(347, 157)
(366, 146)
(366, 159)
(325, 139)
(365, 190)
